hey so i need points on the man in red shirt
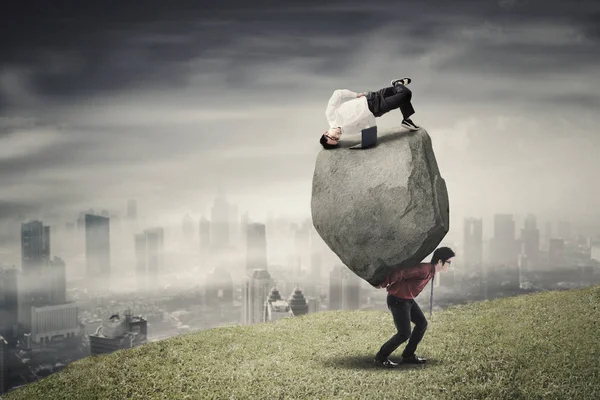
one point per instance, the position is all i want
(403, 285)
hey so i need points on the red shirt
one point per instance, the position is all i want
(407, 283)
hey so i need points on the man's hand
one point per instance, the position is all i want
(361, 95)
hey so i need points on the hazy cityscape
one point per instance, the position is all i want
(105, 281)
(156, 165)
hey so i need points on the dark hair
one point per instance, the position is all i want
(443, 253)
(326, 145)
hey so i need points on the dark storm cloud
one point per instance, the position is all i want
(70, 49)
(81, 47)
(147, 88)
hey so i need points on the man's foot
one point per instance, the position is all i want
(407, 123)
(413, 360)
(386, 363)
(403, 81)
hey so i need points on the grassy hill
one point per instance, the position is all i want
(539, 346)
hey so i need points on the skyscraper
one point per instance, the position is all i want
(141, 273)
(244, 222)
(530, 239)
(350, 290)
(220, 223)
(9, 302)
(302, 244)
(255, 291)
(149, 250)
(504, 245)
(154, 254)
(204, 241)
(473, 243)
(41, 280)
(35, 245)
(234, 225)
(336, 285)
(97, 250)
(3, 364)
(56, 281)
(256, 248)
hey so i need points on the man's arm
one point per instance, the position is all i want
(417, 272)
(337, 98)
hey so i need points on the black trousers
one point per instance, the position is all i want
(404, 312)
(390, 98)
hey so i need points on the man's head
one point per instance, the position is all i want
(442, 258)
(331, 138)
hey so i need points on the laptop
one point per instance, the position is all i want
(369, 138)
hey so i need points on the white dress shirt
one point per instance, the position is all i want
(348, 112)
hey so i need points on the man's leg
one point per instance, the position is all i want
(418, 331)
(401, 312)
(398, 96)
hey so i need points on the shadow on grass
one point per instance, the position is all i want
(367, 362)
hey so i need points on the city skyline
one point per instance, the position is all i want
(171, 116)
(156, 173)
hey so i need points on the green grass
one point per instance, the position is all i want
(538, 346)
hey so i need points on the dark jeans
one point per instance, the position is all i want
(404, 311)
(390, 98)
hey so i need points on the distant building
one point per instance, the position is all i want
(276, 308)
(149, 253)
(220, 232)
(9, 302)
(97, 250)
(54, 322)
(204, 241)
(530, 239)
(298, 303)
(35, 245)
(336, 284)
(473, 243)
(350, 290)
(118, 333)
(234, 225)
(255, 291)
(504, 245)
(3, 365)
(302, 246)
(256, 247)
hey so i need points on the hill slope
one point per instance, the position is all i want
(543, 346)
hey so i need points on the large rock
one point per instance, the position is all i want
(380, 208)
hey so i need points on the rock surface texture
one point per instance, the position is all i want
(380, 208)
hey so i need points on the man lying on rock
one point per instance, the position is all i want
(349, 112)
(403, 285)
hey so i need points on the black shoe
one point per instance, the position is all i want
(386, 363)
(407, 123)
(403, 81)
(413, 360)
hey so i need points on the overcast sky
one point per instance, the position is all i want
(166, 102)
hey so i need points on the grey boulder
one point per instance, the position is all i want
(380, 208)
